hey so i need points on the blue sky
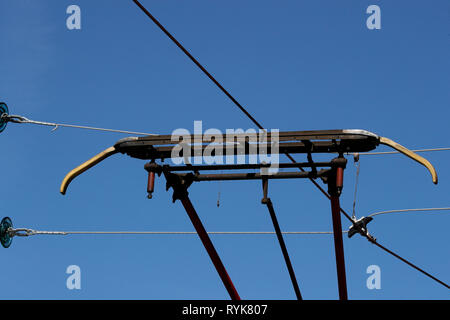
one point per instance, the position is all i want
(295, 65)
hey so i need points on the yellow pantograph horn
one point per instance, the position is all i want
(411, 155)
(85, 166)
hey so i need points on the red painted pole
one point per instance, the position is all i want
(337, 231)
(339, 247)
(207, 243)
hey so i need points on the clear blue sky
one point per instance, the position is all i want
(296, 65)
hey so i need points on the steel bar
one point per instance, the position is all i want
(362, 136)
(339, 248)
(241, 166)
(207, 243)
(153, 148)
(335, 185)
(252, 176)
(287, 260)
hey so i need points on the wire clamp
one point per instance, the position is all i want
(179, 184)
(360, 226)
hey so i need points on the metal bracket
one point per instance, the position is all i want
(336, 176)
(179, 184)
(359, 226)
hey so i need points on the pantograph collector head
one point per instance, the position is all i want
(309, 142)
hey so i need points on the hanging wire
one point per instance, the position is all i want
(395, 152)
(218, 192)
(408, 210)
(23, 120)
(357, 165)
(218, 197)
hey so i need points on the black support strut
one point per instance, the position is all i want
(276, 226)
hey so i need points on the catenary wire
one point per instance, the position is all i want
(39, 232)
(408, 211)
(32, 232)
(409, 263)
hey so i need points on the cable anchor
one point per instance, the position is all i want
(8, 232)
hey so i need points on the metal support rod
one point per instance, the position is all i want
(339, 247)
(253, 176)
(180, 186)
(335, 184)
(207, 243)
(287, 260)
(241, 166)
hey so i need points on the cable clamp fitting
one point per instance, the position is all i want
(360, 226)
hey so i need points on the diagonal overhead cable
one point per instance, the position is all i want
(197, 63)
(372, 240)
